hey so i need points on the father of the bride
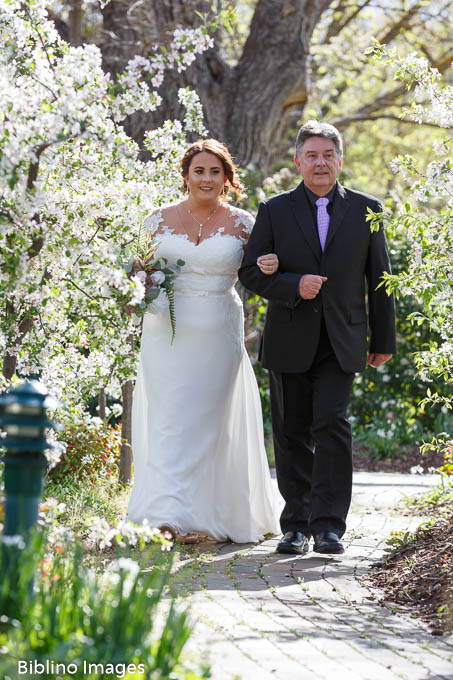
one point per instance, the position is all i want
(315, 335)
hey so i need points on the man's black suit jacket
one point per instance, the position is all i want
(353, 257)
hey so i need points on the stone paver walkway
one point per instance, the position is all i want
(263, 616)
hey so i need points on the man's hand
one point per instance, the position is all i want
(375, 359)
(310, 285)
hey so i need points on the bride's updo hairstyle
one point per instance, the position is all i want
(220, 151)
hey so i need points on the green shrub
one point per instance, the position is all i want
(92, 452)
(386, 404)
(54, 608)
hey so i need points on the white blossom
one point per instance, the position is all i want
(138, 292)
(116, 410)
(90, 196)
(416, 470)
(13, 541)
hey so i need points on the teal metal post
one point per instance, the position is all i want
(23, 418)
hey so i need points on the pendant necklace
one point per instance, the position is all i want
(201, 224)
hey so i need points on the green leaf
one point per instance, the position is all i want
(152, 294)
(130, 264)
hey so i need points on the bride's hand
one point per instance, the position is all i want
(268, 264)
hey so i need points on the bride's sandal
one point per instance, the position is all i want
(169, 529)
(189, 538)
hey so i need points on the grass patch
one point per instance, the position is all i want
(437, 501)
(84, 499)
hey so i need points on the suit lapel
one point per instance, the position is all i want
(339, 210)
(304, 218)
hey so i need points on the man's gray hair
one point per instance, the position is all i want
(314, 128)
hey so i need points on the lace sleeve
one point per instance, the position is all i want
(243, 222)
(152, 222)
(247, 223)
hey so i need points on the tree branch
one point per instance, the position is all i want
(389, 99)
(68, 280)
(391, 33)
(444, 63)
(335, 27)
(30, 75)
(33, 170)
(90, 240)
(341, 123)
(298, 97)
(404, 22)
(43, 45)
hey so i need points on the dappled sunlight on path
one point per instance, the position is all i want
(263, 615)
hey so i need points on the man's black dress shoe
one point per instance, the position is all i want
(328, 542)
(293, 543)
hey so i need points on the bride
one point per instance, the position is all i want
(200, 466)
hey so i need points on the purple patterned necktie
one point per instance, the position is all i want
(323, 220)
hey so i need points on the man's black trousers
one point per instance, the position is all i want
(312, 442)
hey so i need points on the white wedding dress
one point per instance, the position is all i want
(197, 433)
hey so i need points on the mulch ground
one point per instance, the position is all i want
(417, 576)
(408, 458)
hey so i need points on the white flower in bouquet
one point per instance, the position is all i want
(157, 278)
(153, 279)
(159, 304)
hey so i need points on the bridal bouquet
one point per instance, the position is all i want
(156, 276)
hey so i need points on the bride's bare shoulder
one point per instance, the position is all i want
(170, 211)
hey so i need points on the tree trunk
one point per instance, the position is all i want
(9, 365)
(10, 360)
(75, 22)
(126, 426)
(126, 433)
(244, 105)
(102, 401)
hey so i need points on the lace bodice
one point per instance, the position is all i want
(212, 265)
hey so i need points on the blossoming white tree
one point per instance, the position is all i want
(73, 194)
(427, 222)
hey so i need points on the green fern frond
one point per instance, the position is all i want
(142, 238)
(171, 306)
